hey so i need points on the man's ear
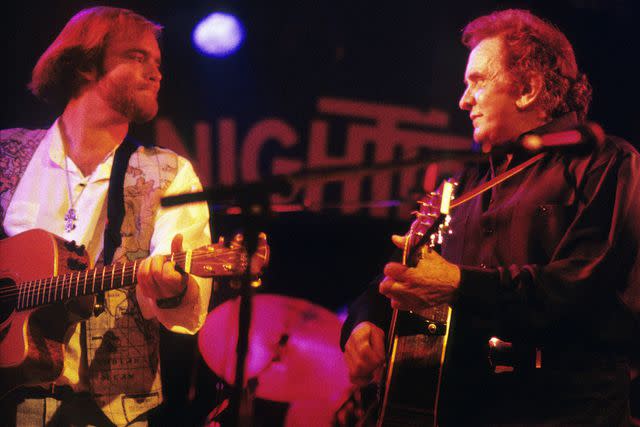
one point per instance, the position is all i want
(530, 91)
(90, 74)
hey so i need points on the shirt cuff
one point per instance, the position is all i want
(187, 317)
(479, 287)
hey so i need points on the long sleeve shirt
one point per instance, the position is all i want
(42, 198)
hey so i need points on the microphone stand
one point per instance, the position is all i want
(253, 200)
(254, 208)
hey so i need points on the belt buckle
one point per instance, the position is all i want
(503, 358)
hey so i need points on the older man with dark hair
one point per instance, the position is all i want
(547, 260)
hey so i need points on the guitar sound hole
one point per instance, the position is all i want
(8, 298)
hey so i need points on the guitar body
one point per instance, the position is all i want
(46, 287)
(414, 373)
(32, 341)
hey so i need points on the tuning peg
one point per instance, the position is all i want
(76, 264)
(72, 246)
(236, 243)
(428, 202)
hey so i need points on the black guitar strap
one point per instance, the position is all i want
(115, 198)
(115, 206)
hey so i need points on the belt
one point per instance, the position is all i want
(508, 357)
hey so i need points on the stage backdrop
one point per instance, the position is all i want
(317, 84)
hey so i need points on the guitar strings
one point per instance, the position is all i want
(40, 295)
(108, 273)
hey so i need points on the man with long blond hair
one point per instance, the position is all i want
(104, 69)
(545, 264)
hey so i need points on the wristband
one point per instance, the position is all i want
(173, 302)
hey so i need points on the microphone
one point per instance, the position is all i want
(588, 135)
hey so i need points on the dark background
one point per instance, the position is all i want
(405, 53)
(397, 52)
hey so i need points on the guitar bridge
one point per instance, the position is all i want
(435, 328)
(414, 324)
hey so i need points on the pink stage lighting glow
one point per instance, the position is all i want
(219, 34)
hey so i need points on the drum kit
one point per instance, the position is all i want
(294, 355)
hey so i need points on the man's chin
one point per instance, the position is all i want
(486, 142)
(480, 137)
(143, 114)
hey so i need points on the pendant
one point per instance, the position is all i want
(70, 220)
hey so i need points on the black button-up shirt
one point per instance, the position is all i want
(555, 250)
(550, 260)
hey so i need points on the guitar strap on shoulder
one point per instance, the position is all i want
(115, 207)
(115, 198)
(495, 181)
(475, 192)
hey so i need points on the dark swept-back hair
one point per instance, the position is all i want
(533, 45)
(80, 46)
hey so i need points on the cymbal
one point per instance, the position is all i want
(294, 352)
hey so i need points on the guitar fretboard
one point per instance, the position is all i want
(74, 284)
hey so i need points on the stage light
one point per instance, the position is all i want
(219, 34)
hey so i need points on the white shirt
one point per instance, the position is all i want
(41, 200)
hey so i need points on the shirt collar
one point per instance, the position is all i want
(564, 122)
(53, 137)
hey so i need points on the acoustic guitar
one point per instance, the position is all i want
(417, 341)
(46, 288)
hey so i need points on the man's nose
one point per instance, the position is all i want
(154, 73)
(156, 76)
(466, 100)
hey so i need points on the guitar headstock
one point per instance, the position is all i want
(220, 259)
(432, 218)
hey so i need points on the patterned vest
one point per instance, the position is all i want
(122, 348)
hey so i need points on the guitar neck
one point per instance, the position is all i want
(73, 284)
